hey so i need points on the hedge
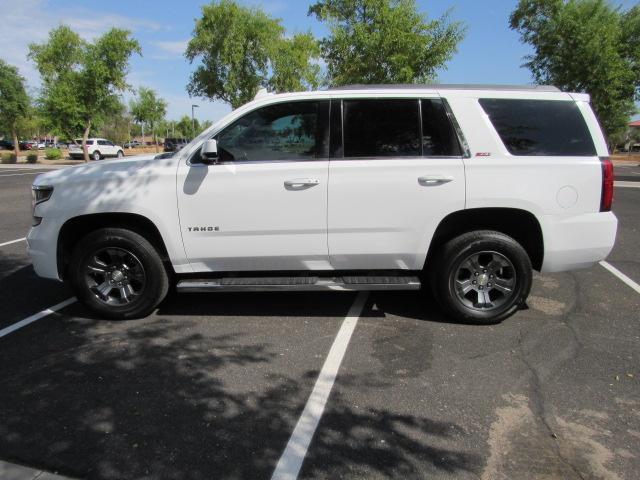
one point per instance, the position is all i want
(8, 158)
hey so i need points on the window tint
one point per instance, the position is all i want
(438, 136)
(381, 128)
(102, 142)
(284, 131)
(540, 127)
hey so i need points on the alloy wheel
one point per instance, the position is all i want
(115, 276)
(485, 281)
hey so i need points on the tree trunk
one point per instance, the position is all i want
(16, 144)
(155, 140)
(85, 137)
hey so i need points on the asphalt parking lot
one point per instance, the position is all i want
(212, 386)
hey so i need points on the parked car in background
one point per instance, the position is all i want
(175, 144)
(27, 145)
(98, 148)
(6, 144)
(132, 144)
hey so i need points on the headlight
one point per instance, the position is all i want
(39, 194)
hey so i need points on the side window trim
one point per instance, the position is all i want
(462, 141)
(419, 100)
(336, 132)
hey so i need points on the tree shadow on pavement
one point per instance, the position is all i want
(22, 292)
(156, 399)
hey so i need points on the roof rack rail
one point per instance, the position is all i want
(450, 86)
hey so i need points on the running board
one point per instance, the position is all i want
(302, 283)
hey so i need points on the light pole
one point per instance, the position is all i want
(193, 121)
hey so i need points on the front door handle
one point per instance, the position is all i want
(434, 179)
(301, 182)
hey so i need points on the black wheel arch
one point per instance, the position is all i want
(76, 228)
(519, 224)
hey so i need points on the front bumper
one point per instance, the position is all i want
(42, 248)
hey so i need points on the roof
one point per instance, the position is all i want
(450, 86)
(635, 123)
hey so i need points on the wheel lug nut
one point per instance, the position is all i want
(488, 284)
(481, 287)
(476, 274)
(474, 282)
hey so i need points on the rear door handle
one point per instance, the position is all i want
(434, 179)
(301, 182)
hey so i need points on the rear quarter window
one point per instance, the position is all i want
(540, 127)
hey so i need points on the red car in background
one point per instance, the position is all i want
(27, 145)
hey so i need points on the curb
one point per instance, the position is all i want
(12, 471)
(30, 166)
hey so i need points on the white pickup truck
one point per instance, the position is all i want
(466, 188)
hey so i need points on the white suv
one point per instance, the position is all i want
(97, 147)
(468, 188)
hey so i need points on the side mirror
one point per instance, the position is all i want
(209, 151)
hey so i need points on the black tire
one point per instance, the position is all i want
(120, 154)
(149, 295)
(449, 267)
(96, 155)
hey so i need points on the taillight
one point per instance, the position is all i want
(607, 185)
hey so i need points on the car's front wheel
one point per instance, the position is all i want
(96, 155)
(117, 274)
(120, 154)
(481, 277)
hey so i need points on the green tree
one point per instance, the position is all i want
(242, 49)
(116, 126)
(585, 46)
(82, 80)
(186, 129)
(149, 109)
(384, 41)
(293, 66)
(14, 101)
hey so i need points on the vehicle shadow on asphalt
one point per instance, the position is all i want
(153, 399)
(418, 305)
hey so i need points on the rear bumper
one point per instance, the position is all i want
(577, 241)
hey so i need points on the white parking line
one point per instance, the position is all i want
(36, 316)
(13, 241)
(291, 460)
(621, 275)
(621, 183)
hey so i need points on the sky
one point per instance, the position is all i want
(490, 52)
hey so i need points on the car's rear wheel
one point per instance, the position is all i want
(118, 274)
(96, 155)
(481, 277)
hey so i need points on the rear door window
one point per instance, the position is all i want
(381, 128)
(438, 135)
(540, 127)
